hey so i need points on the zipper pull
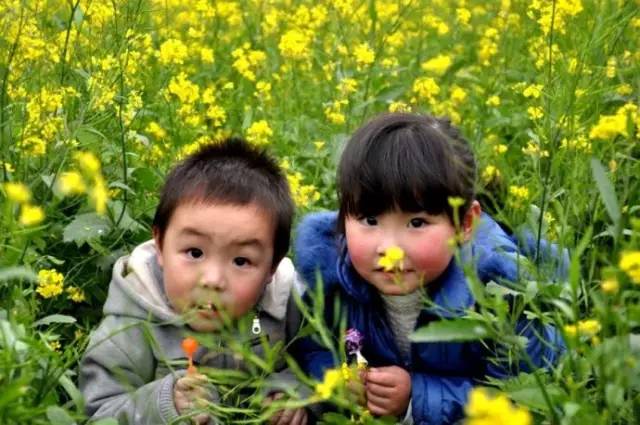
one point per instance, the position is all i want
(255, 327)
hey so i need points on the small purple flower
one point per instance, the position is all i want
(353, 340)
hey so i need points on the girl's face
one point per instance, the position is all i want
(425, 239)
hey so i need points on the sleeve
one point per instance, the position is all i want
(117, 377)
(438, 399)
(544, 347)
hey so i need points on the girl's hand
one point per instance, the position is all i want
(190, 393)
(388, 390)
(287, 416)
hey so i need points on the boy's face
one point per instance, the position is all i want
(423, 237)
(216, 259)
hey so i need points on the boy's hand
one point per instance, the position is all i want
(287, 416)
(189, 393)
(388, 390)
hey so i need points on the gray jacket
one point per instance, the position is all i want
(135, 354)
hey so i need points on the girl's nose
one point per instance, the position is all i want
(384, 243)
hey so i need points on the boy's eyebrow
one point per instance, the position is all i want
(190, 231)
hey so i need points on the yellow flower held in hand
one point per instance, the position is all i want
(332, 379)
(392, 259)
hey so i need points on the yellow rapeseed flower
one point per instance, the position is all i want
(630, 264)
(490, 173)
(399, 106)
(609, 126)
(294, 44)
(75, 294)
(259, 133)
(17, 192)
(482, 409)
(71, 183)
(181, 87)
(333, 378)
(437, 65)
(610, 286)
(535, 112)
(533, 90)
(30, 215)
(392, 259)
(426, 88)
(493, 101)
(99, 195)
(87, 162)
(50, 283)
(364, 55)
(173, 51)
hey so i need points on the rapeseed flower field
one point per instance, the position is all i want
(98, 99)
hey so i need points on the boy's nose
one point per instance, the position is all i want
(213, 278)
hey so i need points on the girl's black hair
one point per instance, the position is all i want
(408, 162)
(230, 172)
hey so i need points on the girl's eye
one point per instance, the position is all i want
(194, 253)
(417, 222)
(241, 261)
(369, 220)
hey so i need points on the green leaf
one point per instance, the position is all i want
(55, 318)
(85, 227)
(451, 330)
(18, 272)
(606, 189)
(59, 416)
(73, 391)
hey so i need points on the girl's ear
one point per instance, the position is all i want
(468, 222)
(156, 239)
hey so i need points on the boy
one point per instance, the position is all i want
(220, 234)
(396, 178)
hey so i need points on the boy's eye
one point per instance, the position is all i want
(369, 220)
(194, 253)
(241, 261)
(417, 222)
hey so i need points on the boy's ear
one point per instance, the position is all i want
(468, 222)
(156, 239)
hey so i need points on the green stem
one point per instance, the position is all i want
(63, 57)
(3, 96)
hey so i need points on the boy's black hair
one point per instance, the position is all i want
(230, 172)
(403, 161)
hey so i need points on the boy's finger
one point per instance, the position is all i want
(299, 417)
(285, 417)
(273, 420)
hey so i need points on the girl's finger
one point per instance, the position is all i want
(375, 408)
(379, 390)
(381, 377)
(377, 400)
